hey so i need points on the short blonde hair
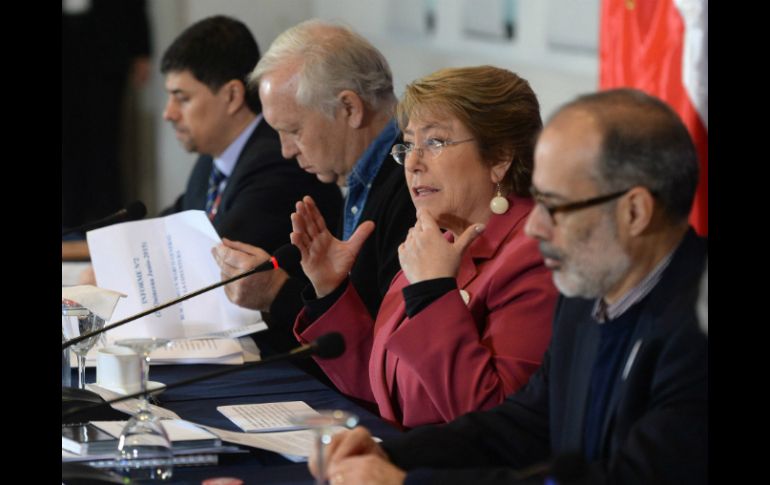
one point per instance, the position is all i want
(333, 58)
(497, 106)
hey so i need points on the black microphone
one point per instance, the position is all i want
(285, 256)
(132, 212)
(327, 346)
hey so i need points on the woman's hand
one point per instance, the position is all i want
(426, 254)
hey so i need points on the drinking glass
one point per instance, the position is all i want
(144, 449)
(77, 320)
(323, 424)
(66, 375)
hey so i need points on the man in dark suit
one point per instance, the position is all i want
(240, 179)
(622, 395)
(329, 94)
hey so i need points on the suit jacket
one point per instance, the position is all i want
(260, 193)
(656, 426)
(450, 358)
(390, 207)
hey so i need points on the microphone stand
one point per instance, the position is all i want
(135, 210)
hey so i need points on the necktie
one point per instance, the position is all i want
(212, 195)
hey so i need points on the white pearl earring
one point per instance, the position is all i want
(499, 204)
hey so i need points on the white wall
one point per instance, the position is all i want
(539, 52)
(172, 163)
(556, 75)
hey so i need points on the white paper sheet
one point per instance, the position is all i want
(199, 350)
(70, 272)
(130, 406)
(100, 301)
(251, 352)
(238, 331)
(156, 260)
(294, 445)
(266, 417)
(177, 429)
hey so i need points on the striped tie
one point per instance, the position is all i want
(212, 196)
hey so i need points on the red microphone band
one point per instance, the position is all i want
(275, 262)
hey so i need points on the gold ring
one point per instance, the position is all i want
(338, 479)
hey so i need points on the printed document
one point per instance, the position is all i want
(272, 416)
(156, 260)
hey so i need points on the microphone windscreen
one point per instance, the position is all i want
(329, 346)
(289, 257)
(135, 210)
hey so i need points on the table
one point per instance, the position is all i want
(275, 382)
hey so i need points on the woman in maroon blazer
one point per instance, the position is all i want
(467, 319)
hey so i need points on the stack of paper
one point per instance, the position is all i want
(204, 351)
(199, 350)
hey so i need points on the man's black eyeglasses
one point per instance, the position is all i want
(573, 206)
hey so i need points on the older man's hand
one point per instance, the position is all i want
(365, 470)
(257, 291)
(326, 260)
(343, 448)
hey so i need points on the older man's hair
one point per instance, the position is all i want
(644, 144)
(332, 58)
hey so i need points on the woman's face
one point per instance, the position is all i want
(452, 183)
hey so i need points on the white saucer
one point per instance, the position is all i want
(151, 386)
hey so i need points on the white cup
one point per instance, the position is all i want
(118, 369)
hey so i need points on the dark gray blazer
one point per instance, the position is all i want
(656, 426)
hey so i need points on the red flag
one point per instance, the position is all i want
(661, 47)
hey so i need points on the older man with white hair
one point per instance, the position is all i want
(329, 94)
